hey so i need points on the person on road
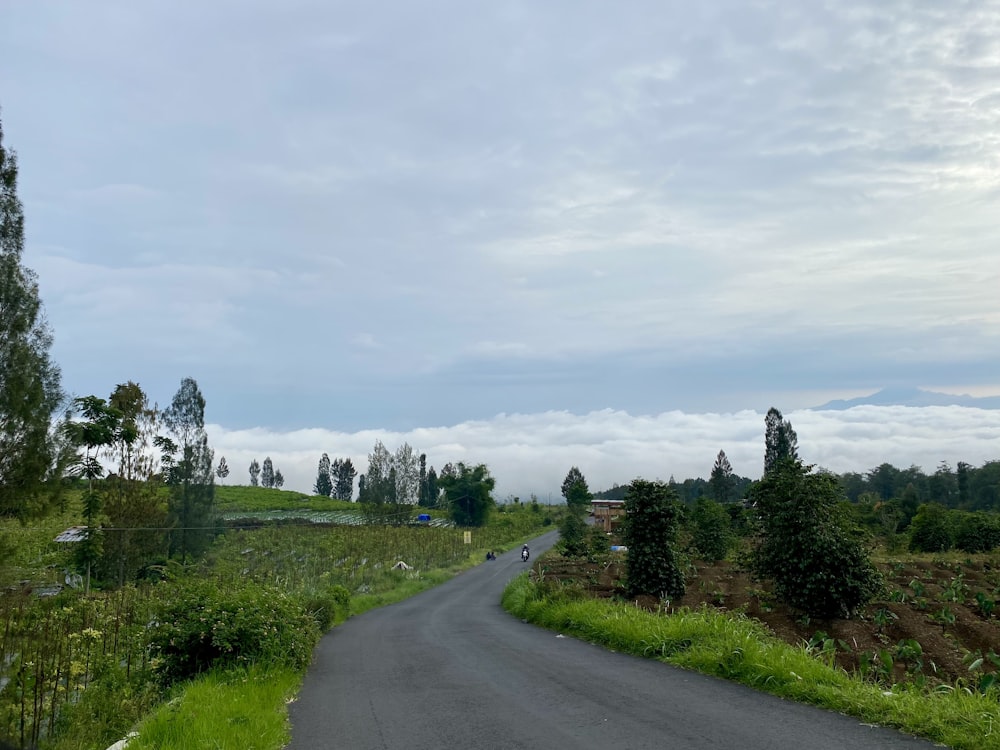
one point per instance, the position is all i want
(525, 553)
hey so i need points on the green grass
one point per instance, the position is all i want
(741, 649)
(243, 709)
(240, 497)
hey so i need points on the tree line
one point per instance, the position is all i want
(797, 526)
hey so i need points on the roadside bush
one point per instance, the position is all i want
(201, 626)
(329, 606)
(650, 531)
(805, 547)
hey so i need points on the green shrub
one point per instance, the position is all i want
(329, 606)
(804, 546)
(977, 532)
(573, 535)
(201, 626)
(649, 531)
(711, 532)
(930, 530)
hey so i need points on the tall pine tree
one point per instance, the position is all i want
(324, 484)
(721, 480)
(29, 381)
(780, 440)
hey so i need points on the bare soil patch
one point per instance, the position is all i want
(933, 622)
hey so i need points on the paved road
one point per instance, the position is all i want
(450, 670)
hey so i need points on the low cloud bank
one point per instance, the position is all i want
(531, 453)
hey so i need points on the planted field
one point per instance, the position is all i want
(936, 622)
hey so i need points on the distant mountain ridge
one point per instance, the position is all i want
(911, 397)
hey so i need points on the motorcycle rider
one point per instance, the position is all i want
(524, 552)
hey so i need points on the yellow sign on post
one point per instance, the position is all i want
(468, 537)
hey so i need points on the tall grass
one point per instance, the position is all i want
(740, 649)
(241, 709)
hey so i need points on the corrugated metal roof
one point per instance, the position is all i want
(73, 534)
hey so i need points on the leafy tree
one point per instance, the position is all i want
(380, 484)
(254, 473)
(324, 484)
(97, 430)
(573, 476)
(573, 535)
(343, 473)
(780, 440)
(711, 532)
(267, 473)
(983, 490)
(279, 479)
(652, 511)
(805, 547)
(407, 477)
(222, 471)
(943, 486)
(930, 530)
(573, 529)
(433, 490)
(135, 509)
(30, 393)
(977, 531)
(192, 489)
(576, 492)
(722, 481)
(468, 492)
(962, 480)
(422, 495)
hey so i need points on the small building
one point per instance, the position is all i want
(607, 514)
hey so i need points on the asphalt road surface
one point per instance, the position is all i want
(450, 669)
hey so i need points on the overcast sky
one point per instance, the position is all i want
(481, 227)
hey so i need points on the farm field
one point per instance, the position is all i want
(935, 623)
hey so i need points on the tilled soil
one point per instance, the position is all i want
(929, 624)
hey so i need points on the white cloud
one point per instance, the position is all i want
(531, 453)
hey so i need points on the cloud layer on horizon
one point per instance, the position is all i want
(531, 453)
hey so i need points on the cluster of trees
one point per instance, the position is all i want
(335, 479)
(260, 476)
(400, 478)
(797, 535)
(157, 502)
(131, 523)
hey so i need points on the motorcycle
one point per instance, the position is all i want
(525, 555)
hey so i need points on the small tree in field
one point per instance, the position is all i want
(324, 482)
(254, 473)
(711, 529)
(805, 546)
(649, 531)
(267, 473)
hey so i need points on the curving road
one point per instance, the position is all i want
(448, 669)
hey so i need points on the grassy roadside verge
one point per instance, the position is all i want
(740, 649)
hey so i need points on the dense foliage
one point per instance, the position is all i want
(649, 531)
(201, 625)
(30, 392)
(711, 529)
(805, 547)
(468, 493)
